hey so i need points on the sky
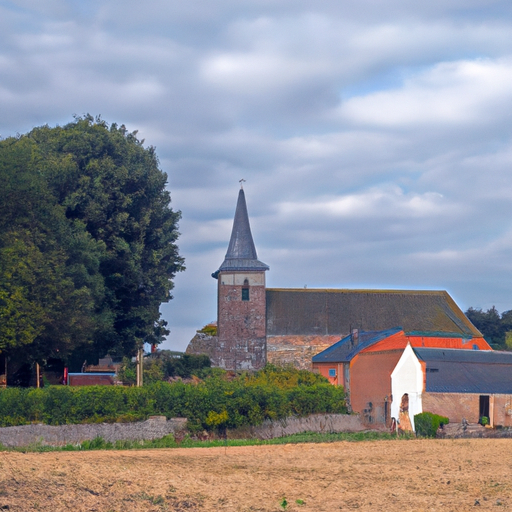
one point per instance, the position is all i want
(375, 137)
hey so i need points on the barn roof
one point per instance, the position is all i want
(338, 311)
(241, 255)
(348, 347)
(467, 371)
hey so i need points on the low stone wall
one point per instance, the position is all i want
(472, 430)
(314, 423)
(155, 427)
(158, 426)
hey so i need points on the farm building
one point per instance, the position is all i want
(459, 384)
(256, 324)
(363, 362)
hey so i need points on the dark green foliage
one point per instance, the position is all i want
(492, 325)
(427, 423)
(285, 376)
(87, 243)
(165, 364)
(215, 404)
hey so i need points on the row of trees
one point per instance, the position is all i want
(87, 243)
(496, 328)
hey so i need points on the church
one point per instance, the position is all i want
(256, 324)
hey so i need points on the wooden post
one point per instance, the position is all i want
(137, 368)
(37, 375)
(141, 364)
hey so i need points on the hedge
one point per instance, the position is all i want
(213, 404)
(427, 423)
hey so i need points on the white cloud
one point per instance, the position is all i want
(250, 74)
(449, 94)
(376, 203)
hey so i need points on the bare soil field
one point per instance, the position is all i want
(416, 475)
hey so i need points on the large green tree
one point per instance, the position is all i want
(87, 242)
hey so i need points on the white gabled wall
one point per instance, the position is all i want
(407, 377)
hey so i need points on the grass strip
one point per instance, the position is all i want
(170, 442)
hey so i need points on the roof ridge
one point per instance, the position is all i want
(360, 290)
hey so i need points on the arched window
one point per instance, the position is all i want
(245, 290)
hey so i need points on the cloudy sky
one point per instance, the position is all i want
(375, 137)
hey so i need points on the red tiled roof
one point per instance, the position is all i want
(400, 340)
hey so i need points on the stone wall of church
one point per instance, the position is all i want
(202, 343)
(297, 351)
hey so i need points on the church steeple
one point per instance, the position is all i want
(241, 342)
(241, 255)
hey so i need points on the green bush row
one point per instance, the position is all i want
(214, 404)
(427, 423)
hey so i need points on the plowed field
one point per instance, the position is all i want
(416, 475)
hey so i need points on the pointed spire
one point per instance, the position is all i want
(241, 253)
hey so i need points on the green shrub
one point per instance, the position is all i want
(218, 402)
(210, 330)
(427, 423)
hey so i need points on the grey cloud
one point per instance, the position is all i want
(373, 156)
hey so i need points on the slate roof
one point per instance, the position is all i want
(467, 371)
(241, 255)
(338, 311)
(345, 349)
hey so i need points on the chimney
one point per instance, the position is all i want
(355, 336)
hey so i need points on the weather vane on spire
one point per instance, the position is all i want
(241, 183)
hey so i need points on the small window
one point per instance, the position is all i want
(332, 372)
(245, 290)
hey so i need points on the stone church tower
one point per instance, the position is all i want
(241, 303)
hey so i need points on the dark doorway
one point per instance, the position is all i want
(484, 406)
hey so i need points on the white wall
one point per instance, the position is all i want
(407, 377)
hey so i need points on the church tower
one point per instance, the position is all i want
(241, 304)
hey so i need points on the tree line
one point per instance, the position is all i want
(496, 327)
(87, 243)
